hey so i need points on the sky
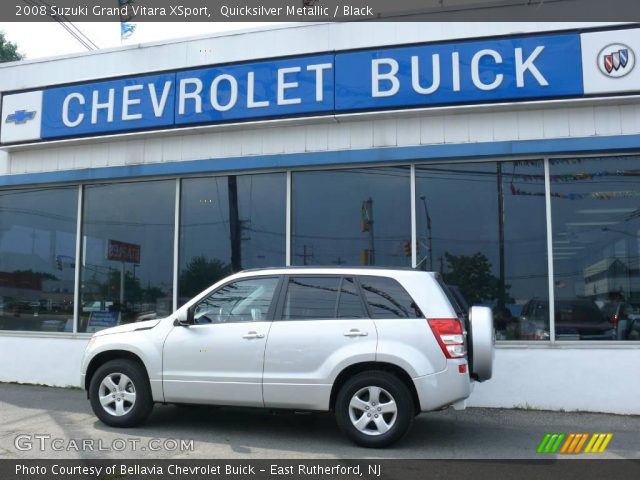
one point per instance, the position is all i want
(47, 39)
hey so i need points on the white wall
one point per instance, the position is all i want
(42, 360)
(4, 163)
(556, 378)
(592, 379)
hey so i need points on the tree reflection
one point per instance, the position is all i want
(472, 275)
(200, 273)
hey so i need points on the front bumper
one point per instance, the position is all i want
(445, 387)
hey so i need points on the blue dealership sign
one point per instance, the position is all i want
(256, 90)
(275, 88)
(102, 107)
(456, 73)
(476, 71)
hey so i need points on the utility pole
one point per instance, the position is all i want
(235, 227)
(501, 284)
(367, 226)
(304, 254)
(122, 276)
(429, 234)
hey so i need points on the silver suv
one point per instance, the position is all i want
(375, 346)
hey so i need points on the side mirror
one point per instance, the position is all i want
(184, 318)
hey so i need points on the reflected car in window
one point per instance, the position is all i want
(625, 318)
(576, 319)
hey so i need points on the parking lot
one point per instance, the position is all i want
(45, 422)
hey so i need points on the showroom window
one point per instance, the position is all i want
(37, 258)
(483, 227)
(228, 224)
(595, 205)
(127, 253)
(351, 217)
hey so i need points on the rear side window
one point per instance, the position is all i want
(386, 298)
(322, 298)
(311, 298)
(455, 298)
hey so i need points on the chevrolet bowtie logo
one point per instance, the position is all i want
(20, 116)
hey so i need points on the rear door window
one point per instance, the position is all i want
(350, 303)
(311, 298)
(386, 298)
(322, 298)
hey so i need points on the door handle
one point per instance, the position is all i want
(251, 335)
(354, 332)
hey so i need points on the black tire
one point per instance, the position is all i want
(139, 410)
(395, 388)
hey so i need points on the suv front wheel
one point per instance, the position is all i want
(374, 409)
(120, 394)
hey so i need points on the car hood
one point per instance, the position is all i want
(129, 327)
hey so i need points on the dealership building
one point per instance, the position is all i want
(502, 155)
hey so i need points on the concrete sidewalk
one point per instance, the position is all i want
(45, 422)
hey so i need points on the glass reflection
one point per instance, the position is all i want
(483, 227)
(37, 258)
(228, 224)
(596, 247)
(351, 217)
(127, 253)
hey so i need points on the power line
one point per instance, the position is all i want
(74, 31)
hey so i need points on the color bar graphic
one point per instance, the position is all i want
(598, 442)
(574, 443)
(550, 442)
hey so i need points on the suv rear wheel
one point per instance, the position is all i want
(374, 409)
(120, 393)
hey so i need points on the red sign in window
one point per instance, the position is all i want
(123, 252)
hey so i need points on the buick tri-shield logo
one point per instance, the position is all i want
(616, 60)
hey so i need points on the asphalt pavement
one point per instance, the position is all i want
(45, 422)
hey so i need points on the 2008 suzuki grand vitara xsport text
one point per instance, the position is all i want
(376, 346)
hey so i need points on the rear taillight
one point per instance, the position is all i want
(450, 335)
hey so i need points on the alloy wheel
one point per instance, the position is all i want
(117, 394)
(373, 410)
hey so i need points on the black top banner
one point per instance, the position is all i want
(318, 10)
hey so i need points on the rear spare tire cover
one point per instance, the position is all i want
(482, 342)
